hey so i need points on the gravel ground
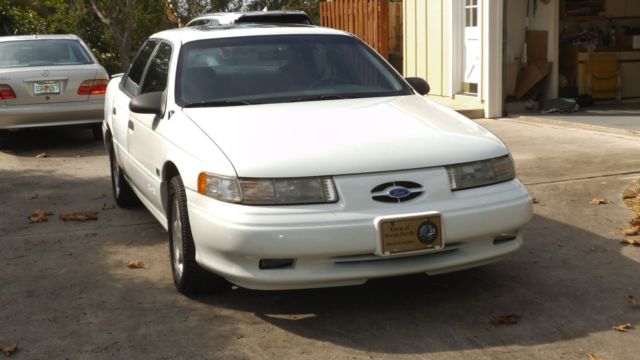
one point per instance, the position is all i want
(67, 291)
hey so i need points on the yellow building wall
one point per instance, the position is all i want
(426, 43)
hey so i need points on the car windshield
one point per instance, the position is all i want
(42, 52)
(282, 68)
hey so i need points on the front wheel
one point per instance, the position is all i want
(122, 192)
(188, 277)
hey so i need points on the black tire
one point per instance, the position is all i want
(96, 131)
(188, 277)
(3, 135)
(122, 192)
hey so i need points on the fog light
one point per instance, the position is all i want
(503, 238)
(270, 264)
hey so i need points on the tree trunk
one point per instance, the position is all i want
(120, 22)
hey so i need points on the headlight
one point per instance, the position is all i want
(312, 190)
(481, 173)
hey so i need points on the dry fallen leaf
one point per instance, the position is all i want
(635, 222)
(9, 350)
(106, 207)
(594, 357)
(39, 216)
(597, 201)
(630, 231)
(73, 216)
(136, 264)
(42, 156)
(30, 196)
(623, 327)
(633, 242)
(535, 201)
(635, 303)
(510, 319)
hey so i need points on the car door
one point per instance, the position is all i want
(146, 147)
(129, 87)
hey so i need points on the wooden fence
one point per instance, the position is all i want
(367, 19)
(395, 27)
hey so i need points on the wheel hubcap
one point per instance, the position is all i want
(176, 237)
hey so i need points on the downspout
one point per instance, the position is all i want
(494, 57)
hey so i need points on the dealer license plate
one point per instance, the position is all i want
(46, 87)
(411, 234)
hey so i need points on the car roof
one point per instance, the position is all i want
(39, 37)
(230, 17)
(194, 33)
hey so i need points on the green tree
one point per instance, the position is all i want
(112, 41)
(21, 17)
(117, 15)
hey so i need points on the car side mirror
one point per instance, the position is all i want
(147, 103)
(420, 85)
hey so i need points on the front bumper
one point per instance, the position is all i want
(55, 114)
(335, 244)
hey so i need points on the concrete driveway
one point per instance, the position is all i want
(67, 291)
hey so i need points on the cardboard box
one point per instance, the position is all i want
(512, 77)
(537, 45)
(530, 78)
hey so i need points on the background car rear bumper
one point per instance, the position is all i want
(57, 114)
(333, 249)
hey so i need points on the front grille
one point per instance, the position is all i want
(406, 190)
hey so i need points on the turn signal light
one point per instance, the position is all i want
(6, 92)
(93, 87)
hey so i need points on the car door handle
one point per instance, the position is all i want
(130, 124)
(113, 111)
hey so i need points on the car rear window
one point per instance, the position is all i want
(43, 52)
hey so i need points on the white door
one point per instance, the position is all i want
(472, 47)
(146, 146)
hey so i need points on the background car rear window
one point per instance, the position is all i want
(46, 52)
(156, 76)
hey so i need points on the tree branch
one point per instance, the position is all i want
(100, 14)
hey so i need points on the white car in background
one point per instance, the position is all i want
(50, 80)
(281, 157)
(265, 17)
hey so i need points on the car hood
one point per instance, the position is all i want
(338, 137)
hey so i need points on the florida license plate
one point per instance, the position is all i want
(408, 234)
(46, 87)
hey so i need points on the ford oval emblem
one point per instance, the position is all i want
(399, 192)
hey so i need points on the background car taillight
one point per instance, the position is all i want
(6, 92)
(93, 87)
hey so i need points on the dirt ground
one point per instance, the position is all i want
(67, 293)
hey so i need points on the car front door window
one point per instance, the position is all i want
(134, 75)
(157, 74)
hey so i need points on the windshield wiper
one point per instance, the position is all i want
(216, 103)
(321, 97)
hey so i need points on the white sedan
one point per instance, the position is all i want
(282, 157)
